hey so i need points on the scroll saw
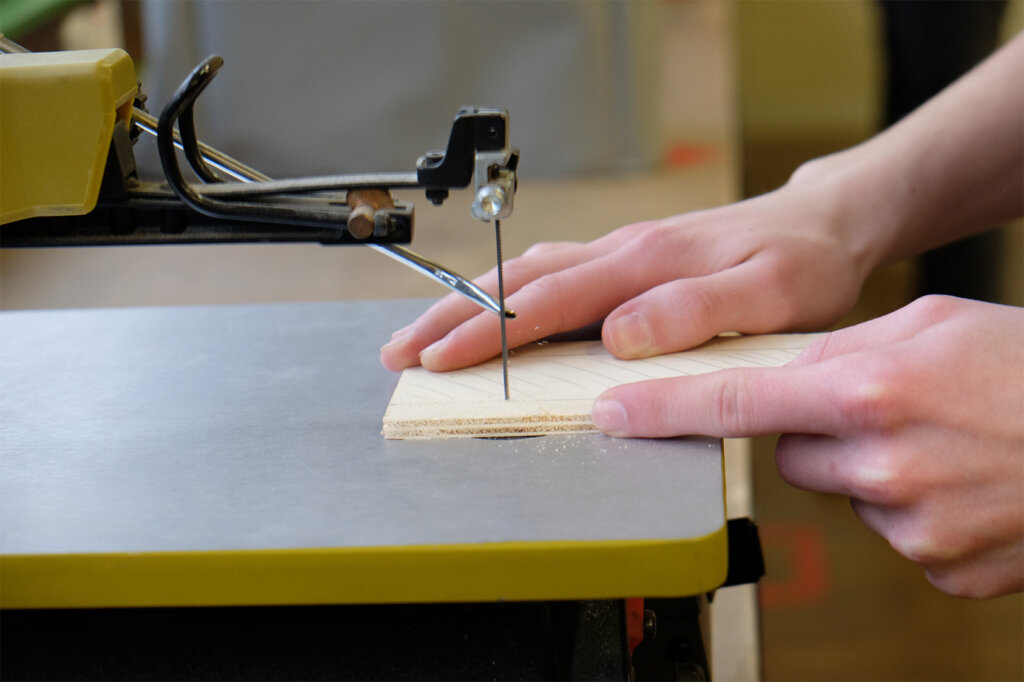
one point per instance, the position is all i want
(176, 519)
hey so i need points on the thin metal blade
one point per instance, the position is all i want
(501, 304)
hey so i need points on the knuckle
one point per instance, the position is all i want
(551, 285)
(538, 249)
(894, 473)
(649, 240)
(920, 543)
(633, 230)
(779, 282)
(881, 481)
(961, 581)
(545, 248)
(652, 238)
(516, 269)
(874, 396)
(552, 291)
(817, 349)
(730, 405)
(697, 305)
(792, 279)
(935, 306)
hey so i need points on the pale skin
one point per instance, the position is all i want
(917, 416)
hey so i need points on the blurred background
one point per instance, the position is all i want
(623, 111)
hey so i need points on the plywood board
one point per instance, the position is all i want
(553, 386)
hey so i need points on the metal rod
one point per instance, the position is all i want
(246, 174)
(321, 183)
(219, 160)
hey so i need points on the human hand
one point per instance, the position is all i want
(756, 266)
(917, 416)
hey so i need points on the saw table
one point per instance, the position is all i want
(229, 456)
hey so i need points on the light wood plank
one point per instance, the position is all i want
(553, 386)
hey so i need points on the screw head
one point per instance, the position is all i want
(490, 203)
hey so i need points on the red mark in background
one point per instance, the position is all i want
(634, 622)
(680, 154)
(798, 570)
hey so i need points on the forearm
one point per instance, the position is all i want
(952, 168)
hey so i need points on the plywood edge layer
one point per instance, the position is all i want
(487, 428)
(418, 421)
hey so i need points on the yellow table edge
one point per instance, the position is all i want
(363, 575)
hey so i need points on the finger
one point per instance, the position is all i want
(908, 532)
(892, 328)
(992, 573)
(861, 467)
(968, 566)
(732, 403)
(403, 350)
(405, 346)
(824, 464)
(882, 520)
(684, 313)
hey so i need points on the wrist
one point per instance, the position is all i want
(852, 206)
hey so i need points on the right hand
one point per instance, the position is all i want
(768, 264)
(916, 416)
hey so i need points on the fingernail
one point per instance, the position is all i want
(391, 363)
(630, 335)
(393, 360)
(391, 345)
(428, 354)
(609, 416)
(399, 333)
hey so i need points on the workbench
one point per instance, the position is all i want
(227, 456)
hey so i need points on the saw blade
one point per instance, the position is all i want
(501, 304)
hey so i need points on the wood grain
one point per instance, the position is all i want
(554, 385)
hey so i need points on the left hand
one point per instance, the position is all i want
(917, 416)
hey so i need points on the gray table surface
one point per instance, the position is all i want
(258, 427)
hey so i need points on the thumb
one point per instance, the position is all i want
(686, 312)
